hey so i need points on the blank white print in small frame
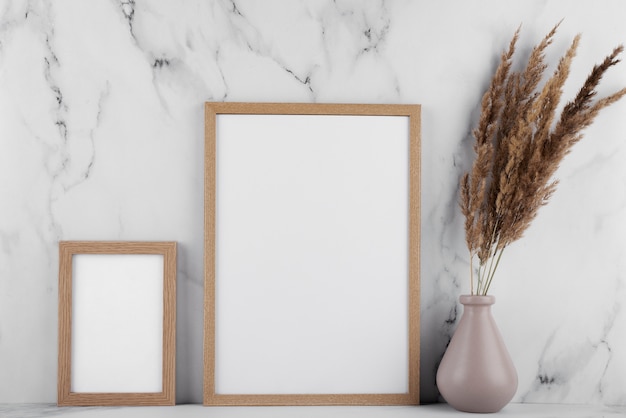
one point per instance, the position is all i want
(311, 254)
(117, 313)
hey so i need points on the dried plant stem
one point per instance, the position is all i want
(472, 272)
(490, 279)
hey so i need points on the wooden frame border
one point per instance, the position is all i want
(67, 249)
(413, 112)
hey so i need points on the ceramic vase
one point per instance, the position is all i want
(476, 373)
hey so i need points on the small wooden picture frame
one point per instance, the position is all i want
(312, 246)
(117, 323)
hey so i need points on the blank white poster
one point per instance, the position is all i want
(117, 323)
(311, 254)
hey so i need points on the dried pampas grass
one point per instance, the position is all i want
(520, 143)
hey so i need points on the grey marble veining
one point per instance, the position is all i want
(101, 137)
(46, 410)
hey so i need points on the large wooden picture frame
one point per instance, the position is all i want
(312, 254)
(117, 323)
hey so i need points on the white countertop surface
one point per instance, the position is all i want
(192, 411)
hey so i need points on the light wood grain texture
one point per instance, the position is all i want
(413, 291)
(67, 249)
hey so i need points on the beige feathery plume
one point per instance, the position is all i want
(520, 143)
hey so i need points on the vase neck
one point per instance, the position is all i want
(473, 300)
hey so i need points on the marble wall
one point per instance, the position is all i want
(101, 138)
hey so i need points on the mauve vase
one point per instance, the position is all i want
(476, 373)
